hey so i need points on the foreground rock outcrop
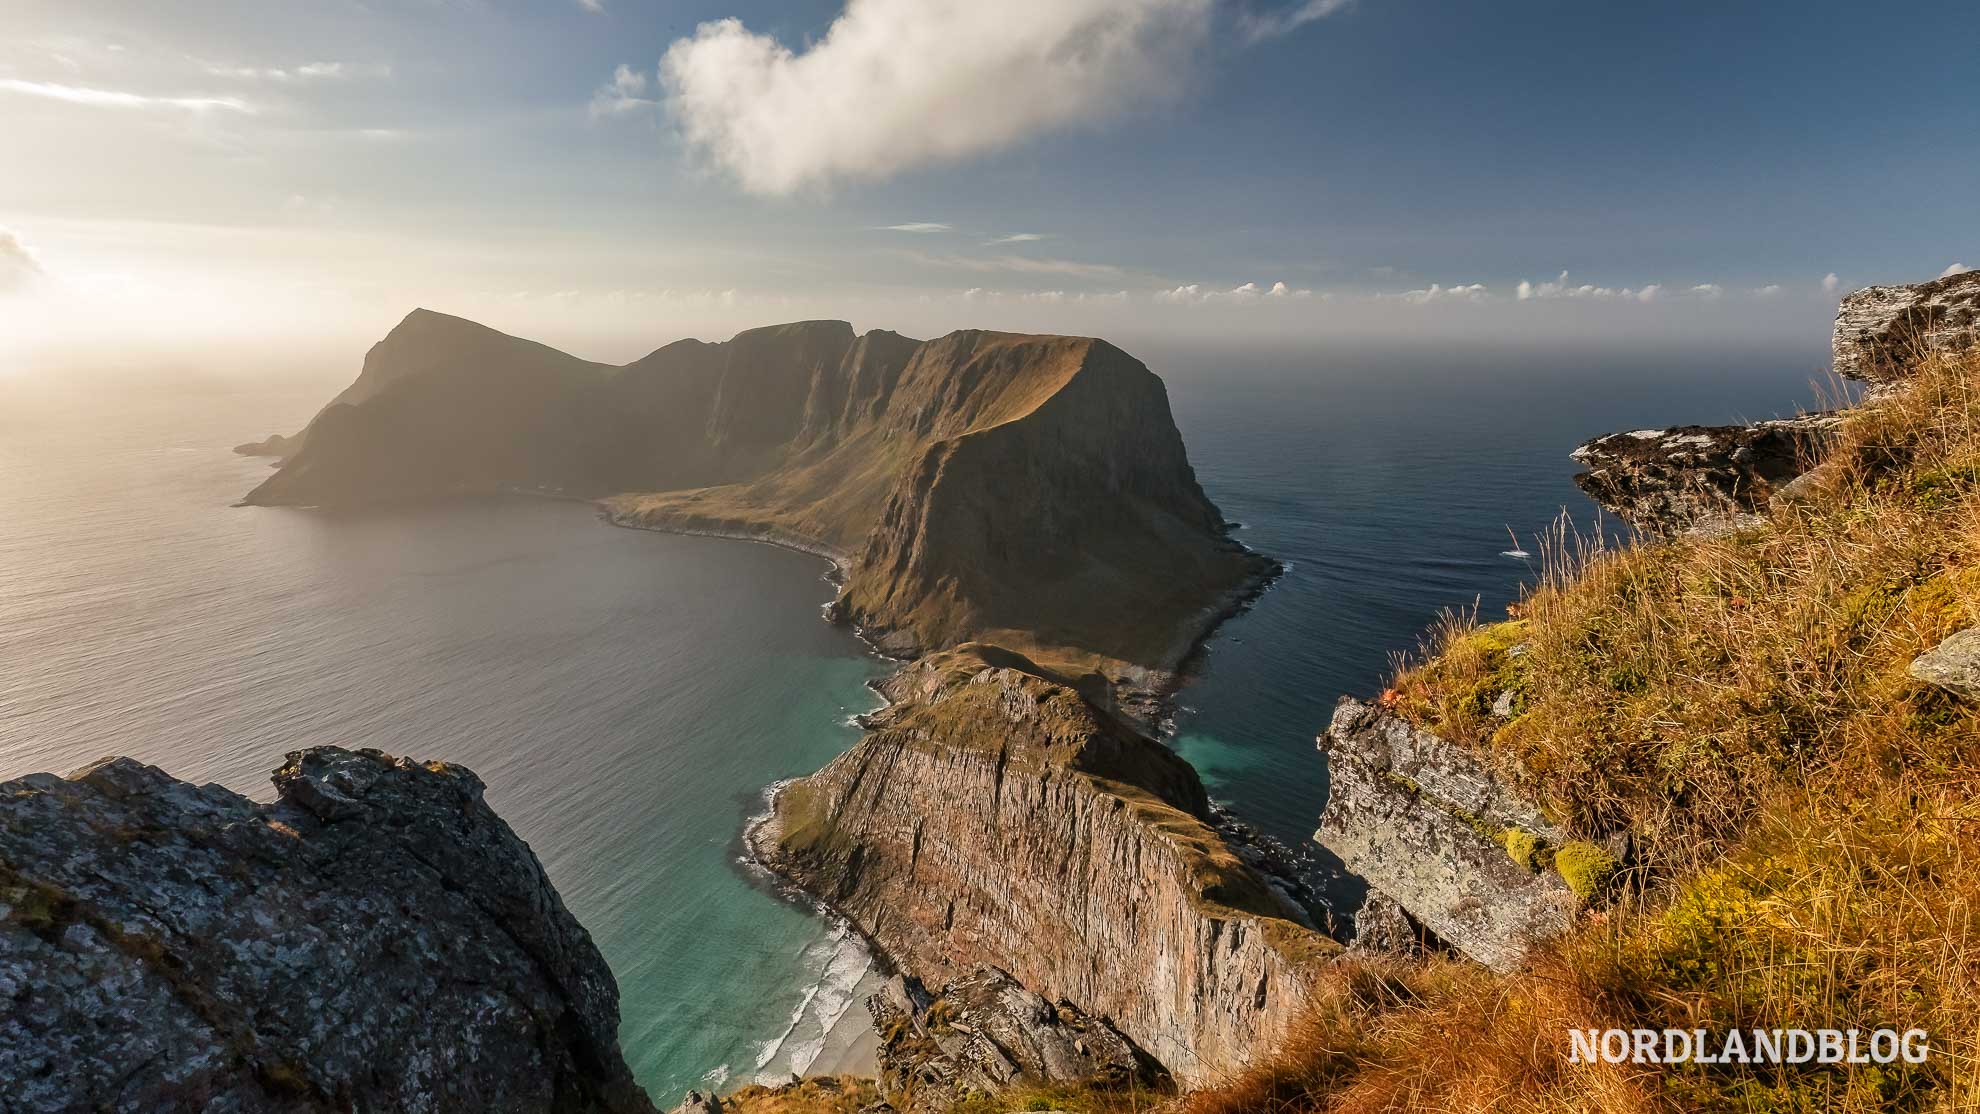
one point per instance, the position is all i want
(1668, 481)
(1953, 665)
(1423, 822)
(995, 817)
(1882, 330)
(376, 939)
(984, 1034)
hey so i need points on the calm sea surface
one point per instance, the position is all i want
(627, 695)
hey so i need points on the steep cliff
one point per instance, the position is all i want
(994, 817)
(376, 939)
(1029, 489)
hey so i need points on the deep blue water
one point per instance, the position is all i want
(627, 695)
(1387, 480)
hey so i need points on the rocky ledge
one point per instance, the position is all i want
(376, 939)
(1881, 330)
(984, 1034)
(1427, 825)
(995, 816)
(1669, 481)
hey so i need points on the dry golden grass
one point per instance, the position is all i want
(1805, 816)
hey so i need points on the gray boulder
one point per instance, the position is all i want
(376, 939)
(1880, 330)
(1421, 820)
(1953, 665)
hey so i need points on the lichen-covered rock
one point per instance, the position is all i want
(376, 939)
(1383, 925)
(984, 1033)
(992, 816)
(1882, 330)
(1668, 481)
(1425, 823)
(1953, 665)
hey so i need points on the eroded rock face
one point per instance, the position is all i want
(1669, 481)
(1417, 818)
(377, 939)
(992, 816)
(983, 1034)
(1881, 330)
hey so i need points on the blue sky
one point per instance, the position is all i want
(216, 167)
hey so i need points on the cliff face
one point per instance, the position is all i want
(994, 817)
(377, 939)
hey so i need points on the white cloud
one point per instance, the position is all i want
(1017, 238)
(899, 84)
(1196, 293)
(1256, 26)
(112, 98)
(1019, 264)
(595, 7)
(1771, 290)
(1708, 290)
(18, 266)
(1830, 282)
(922, 226)
(1435, 292)
(626, 92)
(1955, 269)
(1560, 287)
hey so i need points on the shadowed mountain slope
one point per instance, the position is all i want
(1029, 489)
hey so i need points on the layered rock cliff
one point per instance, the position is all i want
(995, 817)
(376, 939)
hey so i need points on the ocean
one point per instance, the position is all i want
(628, 696)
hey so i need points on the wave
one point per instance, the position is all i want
(841, 961)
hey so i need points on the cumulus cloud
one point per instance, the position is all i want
(1435, 292)
(1560, 287)
(595, 7)
(1830, 282)
(1708, 290)
(1955, 269)
(626, 92)
(1197, 293)
(114, 98)
(18, 266)
(922, 226)
(898, 84)
(1771, 290)
(1257, 26)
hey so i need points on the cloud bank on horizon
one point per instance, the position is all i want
(899, 84)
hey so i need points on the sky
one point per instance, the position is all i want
(608, 175)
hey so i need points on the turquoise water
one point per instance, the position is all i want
(625, 695)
